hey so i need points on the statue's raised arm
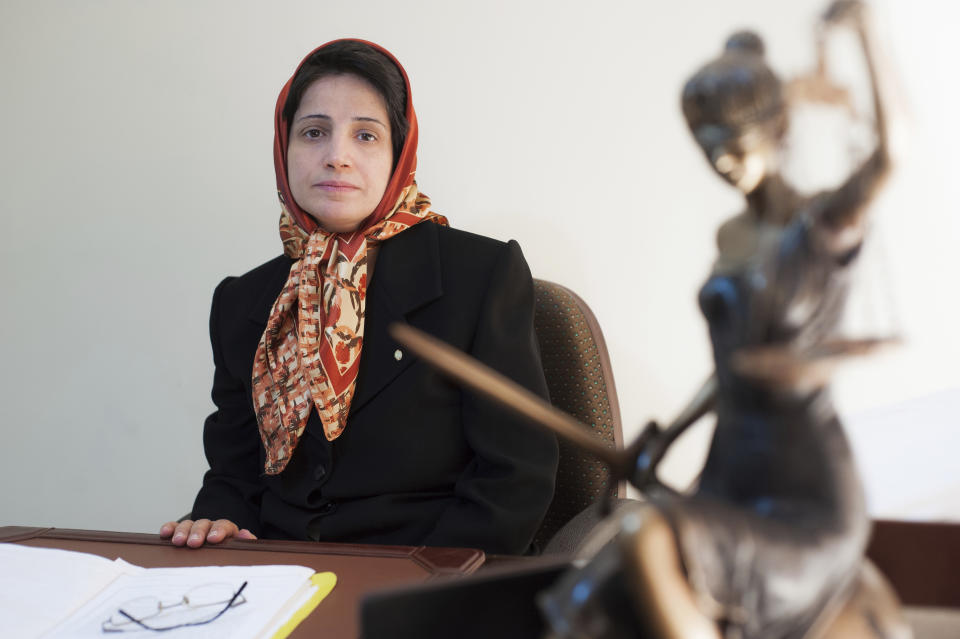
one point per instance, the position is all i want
(840, 213)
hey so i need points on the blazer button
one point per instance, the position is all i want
(319, 472)
(398, 354)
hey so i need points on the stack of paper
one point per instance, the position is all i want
(56, 593)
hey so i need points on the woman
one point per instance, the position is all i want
(325, 429)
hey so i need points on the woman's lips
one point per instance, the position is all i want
(335, 186)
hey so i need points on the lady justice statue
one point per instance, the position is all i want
(770, 543)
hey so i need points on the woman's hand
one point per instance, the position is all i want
(195, 533)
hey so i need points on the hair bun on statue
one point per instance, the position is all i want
(736, 90)
(746, 42)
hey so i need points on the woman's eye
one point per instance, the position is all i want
(313, 133)
(366, 136)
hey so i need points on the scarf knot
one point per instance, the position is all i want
(309, 354)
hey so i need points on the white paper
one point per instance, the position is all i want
(39, 586)
(56, 594)
(268, 589)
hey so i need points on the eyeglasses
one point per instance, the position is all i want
(198, 606)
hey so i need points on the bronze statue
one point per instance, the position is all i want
(770, 543)
(737, 109)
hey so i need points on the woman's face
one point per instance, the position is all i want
(339, 156)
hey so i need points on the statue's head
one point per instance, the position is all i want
(736, 110)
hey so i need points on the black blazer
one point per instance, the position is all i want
(420, 461)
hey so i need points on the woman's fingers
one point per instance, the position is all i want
(192, 533)
(195, 533)
(218, 531)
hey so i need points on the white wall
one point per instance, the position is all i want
(136, 172)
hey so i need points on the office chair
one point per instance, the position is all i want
(580, 380)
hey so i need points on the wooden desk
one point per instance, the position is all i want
(359, 569)
(922, 560)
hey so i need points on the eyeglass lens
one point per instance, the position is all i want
(198, 606)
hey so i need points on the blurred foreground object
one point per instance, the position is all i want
(770, 544)
(771, 541)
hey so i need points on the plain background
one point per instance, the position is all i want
(136, 172)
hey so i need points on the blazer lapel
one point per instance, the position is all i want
(260, 311)
(406, 277)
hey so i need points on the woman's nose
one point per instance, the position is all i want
(337, 153)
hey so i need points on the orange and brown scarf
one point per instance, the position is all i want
(309, 354)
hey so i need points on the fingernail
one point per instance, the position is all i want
(195, 537)
(178, 537)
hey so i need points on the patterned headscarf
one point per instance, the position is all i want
(309, 354)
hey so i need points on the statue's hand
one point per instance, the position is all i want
(845, 12)
(647, 451)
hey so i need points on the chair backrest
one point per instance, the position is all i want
(580, 380)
